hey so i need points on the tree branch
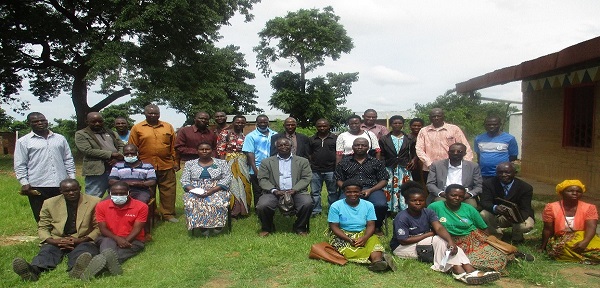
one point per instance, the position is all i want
(45, 57)
(110, 98)
(77, 24)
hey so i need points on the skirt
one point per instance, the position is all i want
(206, 212)
(356, 254)
(483, 256)
(395, 201)
(240, 186)
(560, 247)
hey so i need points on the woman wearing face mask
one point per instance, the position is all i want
(139, 175)
(206, 183)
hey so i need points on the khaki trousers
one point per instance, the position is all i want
(167, 187)
(499, 221)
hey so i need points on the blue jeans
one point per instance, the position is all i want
(378, 199)
(96, 185)
(316, 184)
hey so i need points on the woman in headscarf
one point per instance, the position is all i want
(570, 226)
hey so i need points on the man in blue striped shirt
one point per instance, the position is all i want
(42, 159)
(494, 147)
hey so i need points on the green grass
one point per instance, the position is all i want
(241, 259)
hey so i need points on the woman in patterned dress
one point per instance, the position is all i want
(205, 182)
(229, 148)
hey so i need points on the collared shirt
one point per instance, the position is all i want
(259, 144)
(454, 174)
(106, 142)
(378, 130)
(188, 139)
(507, 187)
(433, 143)
(43, 162)
(123, 171)
(71, 223)
(156, 144)
(369, 172)
(285, 173)
(293, 139)
(322, 158)
(120, 220)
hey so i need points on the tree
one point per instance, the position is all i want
(306, 37)
(111, 112)
(466, 111)
(126, 45)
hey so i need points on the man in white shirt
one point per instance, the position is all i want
(42, 159)
(454, 170)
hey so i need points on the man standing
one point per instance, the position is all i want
(281, 174)
(300, 143)
(257, 146)
(371, 173)
(101, 149)
(322, 164)
(122, 127)
(188, 138)
(155, 140)
(221, 122)
(454, 170)
(434, 140)
(68, 227)
(121, 221)
(496, 213)
(42, 159)
(369, 118)
(494, 147)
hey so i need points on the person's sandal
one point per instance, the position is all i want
(477, 277)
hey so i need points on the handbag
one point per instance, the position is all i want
(286, 204)
(506, 248)
(324, 251)
(372, 152)
(425, 252)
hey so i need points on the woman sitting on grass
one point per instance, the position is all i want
(352, 224)
(465, 225)
(420, 225)
(570, 226)
(206, 184)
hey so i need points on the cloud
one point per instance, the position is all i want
(385, 76)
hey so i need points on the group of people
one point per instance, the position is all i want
(227, 172)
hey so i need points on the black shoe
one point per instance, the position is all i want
(81, 263)
(112, 262)
(524, 256)
(378, 266)
(25, 270)
(96, 265)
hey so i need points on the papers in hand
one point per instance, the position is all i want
(198, 191)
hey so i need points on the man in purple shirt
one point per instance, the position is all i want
(188, 138)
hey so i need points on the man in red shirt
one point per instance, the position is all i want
(121, 220)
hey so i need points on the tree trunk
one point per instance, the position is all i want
(302, 75)
(79, 98)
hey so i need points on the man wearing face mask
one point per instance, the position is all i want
(121, 220)
(139, 175)
(101, 149)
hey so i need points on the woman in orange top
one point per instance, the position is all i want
(570, 226)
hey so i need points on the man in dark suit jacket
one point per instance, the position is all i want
(280, 174)
(505, 186)
(454, 170)
(67, 227)
(300, 142)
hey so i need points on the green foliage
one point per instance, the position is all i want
(126, 45)
(111, 112)
(67, 128)
(305, 37)
(277, 125)
(467, 112)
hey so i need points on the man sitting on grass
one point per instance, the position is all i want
(68, 227)
(121, 220)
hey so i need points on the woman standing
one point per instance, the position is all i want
(418, 225)
(229, 148)
(465, 225)
(352, 227)
(570, 226)
(398, 152)
(206, 182)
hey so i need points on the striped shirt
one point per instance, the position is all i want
(122, 171)
(43, 162)
(433, 143)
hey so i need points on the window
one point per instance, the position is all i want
(579, 117)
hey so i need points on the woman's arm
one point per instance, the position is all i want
(546, 234)
(361, 241)
(335, 228)
(588, 234)
(415, 239)
(441, 231)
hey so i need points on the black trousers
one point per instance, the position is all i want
(36, 201)
(267, 204)
(256, 190)
(50, 256)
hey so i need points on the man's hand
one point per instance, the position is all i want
(278, 192)
(502, 210)
(27, 191)
(365, 193)
(117, 156)
(121, 242)
(292, 192)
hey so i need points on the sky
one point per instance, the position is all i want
(408, 52)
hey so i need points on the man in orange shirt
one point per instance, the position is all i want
(155, 140)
